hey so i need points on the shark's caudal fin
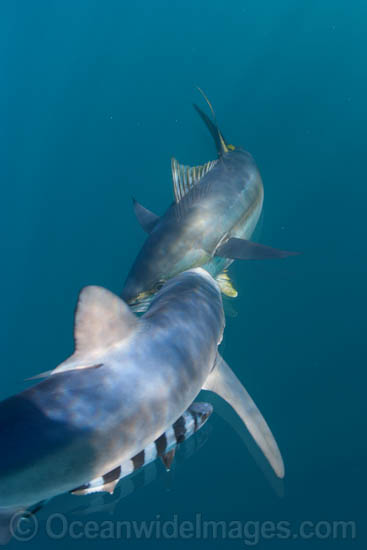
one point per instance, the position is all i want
(226, 384)
(147, 219)
(241, 249)
(102, 320)
(220, 143)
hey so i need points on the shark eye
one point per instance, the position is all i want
(159, 285)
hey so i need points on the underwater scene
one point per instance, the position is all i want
(183, 274)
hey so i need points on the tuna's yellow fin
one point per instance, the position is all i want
(226, 285)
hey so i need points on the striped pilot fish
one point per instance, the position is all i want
(210, 223)
(137, 480)
(164, 447)
(129, 379)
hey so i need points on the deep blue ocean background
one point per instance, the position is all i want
(95, 98)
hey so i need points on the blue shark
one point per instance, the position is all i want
(128, 380)
(209, 224)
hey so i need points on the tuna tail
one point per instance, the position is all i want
(220, 143)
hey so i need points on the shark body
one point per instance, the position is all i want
(127, 382)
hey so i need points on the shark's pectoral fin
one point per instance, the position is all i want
(145, 217)
(226, 384)
(167, 458)
(241, 249)
(102, 320)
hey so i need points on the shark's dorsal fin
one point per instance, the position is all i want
(186, 177)
(102, 320)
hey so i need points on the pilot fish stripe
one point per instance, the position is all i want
(161, 444)
(111, 476)
(179, 429)
(183, 428)
(190, 420)
(139, 460)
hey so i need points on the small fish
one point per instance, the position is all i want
(165, 447)
(215, 211)
(104, 502)
(187, 425)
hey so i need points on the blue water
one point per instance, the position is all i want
(95, 98)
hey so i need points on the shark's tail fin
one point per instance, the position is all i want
(220, 143)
